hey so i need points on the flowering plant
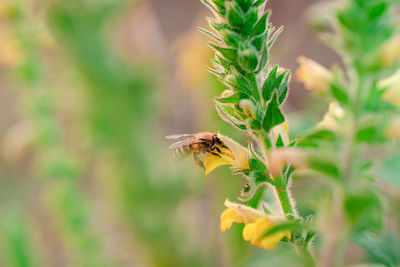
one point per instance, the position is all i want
(336, 151)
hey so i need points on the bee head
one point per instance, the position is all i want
(217, 140)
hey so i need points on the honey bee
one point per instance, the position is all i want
(196, 144)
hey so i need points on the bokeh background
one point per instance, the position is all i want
(88, 90)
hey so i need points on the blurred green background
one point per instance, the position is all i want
(88, 90)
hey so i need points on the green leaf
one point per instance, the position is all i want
(235, 98)
(369, 134)
(208, 33)
(257, 165)
(285, 226)
(224, 63)
(389, 169)
(216, 25)
(381, 250)
(364, 210)
(264, 58)
(228, 114)
(269, 84)
(221, 5)
(231, 38)
(251, 19)
(244, 4)
(259, 2)
(212, 8)
(234, 15)
(275, 36)
(273, 115)
(339, 93)
(261, 25)
(228, 53)
(325, 165)
(259, 41)
(284, 88)
(244, 84)
(377, 10)
(314, 138)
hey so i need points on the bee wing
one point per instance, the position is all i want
(179, 136)
(179, 144)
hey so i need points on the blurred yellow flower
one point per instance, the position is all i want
(279, 157)
(314, 76)
(331, 118)
(10, 51)
(391, 51)
(391, 87)
(393, 129)
(236, 155)
(257, 223)
(192, 56)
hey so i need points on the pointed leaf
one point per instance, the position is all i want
(273, 115)
(269, 84)
(235, 98)
(261, 25)
(228, 53)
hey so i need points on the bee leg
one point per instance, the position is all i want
(216, 148)
(209, 151)
(197, 160)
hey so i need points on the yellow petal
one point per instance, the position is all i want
(240, 153)
(248, 214)
(254, 232)
(270, 241)
(228, 217)
(212, 161)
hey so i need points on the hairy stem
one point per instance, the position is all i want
(287, 205)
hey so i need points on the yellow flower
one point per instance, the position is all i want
(330, 120)
(391, 51)
(257, 223)
(236, 156)
(254, 232)
(391, 87)
(314, 76)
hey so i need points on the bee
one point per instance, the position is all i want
(196, 144)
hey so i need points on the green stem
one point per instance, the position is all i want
(281, 184)
(287, 206)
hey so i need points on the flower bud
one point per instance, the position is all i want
(391, 87)
(390, 52)
(249, 108)
(248, 59)
(314, 76)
